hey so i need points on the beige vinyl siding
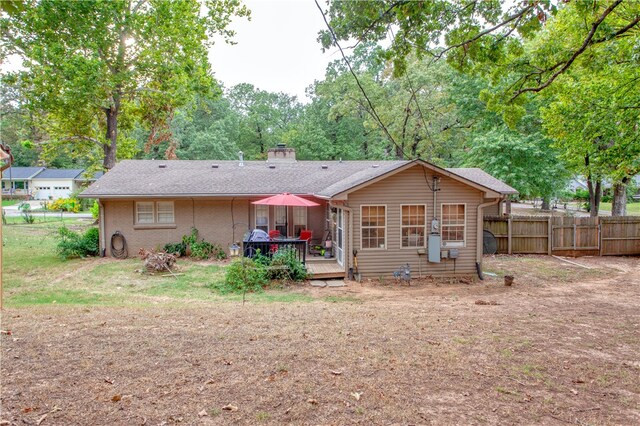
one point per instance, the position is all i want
(212, 218)
(409, 188)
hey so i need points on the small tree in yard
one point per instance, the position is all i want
(244, 274)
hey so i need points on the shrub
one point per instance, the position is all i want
(201, 249)
(582, 195)
(176, 248)
(25, 211)
(285, 265)
(74, 244)
(243, 275)
(95, 210)
(65, 205)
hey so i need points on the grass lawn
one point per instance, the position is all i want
(35, 275)
(96, 342)
(633, 209)
(6, 203)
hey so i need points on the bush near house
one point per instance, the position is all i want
(253, 275)
(74, 244)
(64, 205)
(198, 249)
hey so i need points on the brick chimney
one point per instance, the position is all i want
(281, 154)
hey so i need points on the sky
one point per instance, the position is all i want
(277, 50)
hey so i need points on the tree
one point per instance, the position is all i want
(94, 68)
(265, 116)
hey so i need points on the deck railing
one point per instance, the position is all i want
(269, 248)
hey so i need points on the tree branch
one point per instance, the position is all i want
(585, 44)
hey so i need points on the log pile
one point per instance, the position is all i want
(157, 261)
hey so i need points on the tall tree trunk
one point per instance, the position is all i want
(595, 193)
(109, 148)
(546, 203)
(619, 207)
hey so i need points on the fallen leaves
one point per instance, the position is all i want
(116, 398)
(312, 401)
(487, 302)
(203, 413)
(356, 395)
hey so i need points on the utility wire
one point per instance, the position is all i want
(355, 76)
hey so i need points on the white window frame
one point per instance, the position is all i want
(386, 230)
(424, 227)
(453, 244)
(173, 212)
(255, 216)
(153, 212)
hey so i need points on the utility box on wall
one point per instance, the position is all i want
(434, 248)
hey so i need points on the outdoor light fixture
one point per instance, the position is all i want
(234, 250)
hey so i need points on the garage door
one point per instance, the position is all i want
(61, 192)
(43, 192)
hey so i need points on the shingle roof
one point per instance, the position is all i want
(483, 178)
(82, 176)
(59, 173)
(20, 172)
(153, 178)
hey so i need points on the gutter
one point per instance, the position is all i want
(479, 228)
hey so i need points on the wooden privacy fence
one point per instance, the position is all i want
(568, 236)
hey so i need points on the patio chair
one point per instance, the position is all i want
(306, 235)
(274, 234)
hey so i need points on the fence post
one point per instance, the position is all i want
(575, 234)
(509, 250)
(549, 235)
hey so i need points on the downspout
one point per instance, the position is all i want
(103, 241)
(479, 229)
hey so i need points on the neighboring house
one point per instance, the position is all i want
(383, 210)
(17, 180)
(42, 183)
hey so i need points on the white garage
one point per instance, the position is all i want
(52, 184)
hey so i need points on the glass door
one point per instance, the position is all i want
(340, 237)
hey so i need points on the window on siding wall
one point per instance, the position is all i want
(144, 212)
(453, 225)
(262, 217)
(373, 225)
(165, 212)
(413, 225)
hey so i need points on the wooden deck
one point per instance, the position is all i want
(320, 268)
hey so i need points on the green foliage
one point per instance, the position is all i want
(243, 275)
(176, 248)
(72, 244)
(64, 205)
(286, 266)
(25, 212)
(190, 239)
(95, 209)
(200, 249)
(581, 195)
(94, 67)
(205, 250)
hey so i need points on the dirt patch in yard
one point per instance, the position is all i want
(559, 347)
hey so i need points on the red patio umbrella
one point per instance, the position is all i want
(286, 199)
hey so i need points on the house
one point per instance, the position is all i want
(17, 180)
(42, 183)
(388, 213)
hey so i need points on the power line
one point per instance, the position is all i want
(364, 93)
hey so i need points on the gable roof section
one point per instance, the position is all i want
(200, 178)
(21, 173)
(59, 173)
